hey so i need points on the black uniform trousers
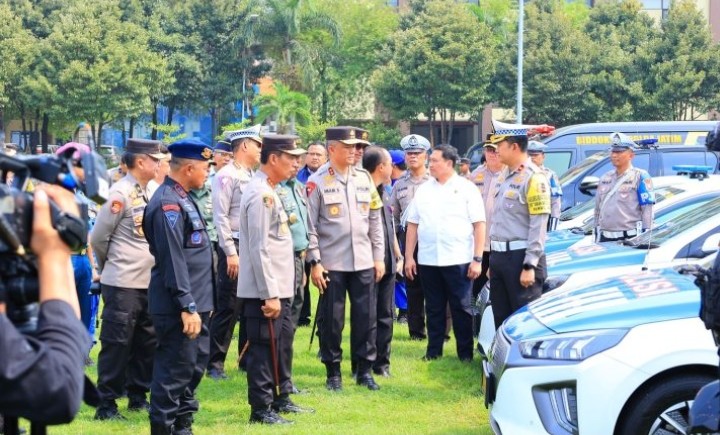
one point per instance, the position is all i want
(443, 286)
(385, 290)
(228, 312)
(307, 301)
(415, 299)
(179, 367)
(507, 295)
(260, 371)
(298, 299)
(128, 344)
(360, 286)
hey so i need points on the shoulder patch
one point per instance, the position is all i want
(172, 217)
(268, 200)
(171, 207)
(310, 187)
(116, 207)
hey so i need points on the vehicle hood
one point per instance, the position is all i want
(593, 256)
(621, 302)
(560, 240)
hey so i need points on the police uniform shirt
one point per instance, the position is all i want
(445, 214)
(344, 220)
(118, 239)
(522, 208)
(203, 199)
(180, 244)
(555, 192)
(266, 245)
(631, 202)
(294, 201)
(402, 194)
(227, 189)
(486, 182)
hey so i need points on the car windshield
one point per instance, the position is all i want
(579, 169)
(661, 194)
(672, 228)
(577, 210)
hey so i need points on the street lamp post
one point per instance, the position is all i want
(519, 109)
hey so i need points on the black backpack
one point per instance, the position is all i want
(708, 280)
(712, 140)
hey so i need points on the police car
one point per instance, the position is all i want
(673, 195)
(624, 356)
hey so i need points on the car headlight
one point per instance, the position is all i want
(553, 282)
(575, 346)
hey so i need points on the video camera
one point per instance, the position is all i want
(74, 168)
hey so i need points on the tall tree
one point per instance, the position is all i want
(429, 69)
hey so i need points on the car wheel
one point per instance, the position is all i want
(663, 408)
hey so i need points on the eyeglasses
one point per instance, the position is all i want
(360, 146)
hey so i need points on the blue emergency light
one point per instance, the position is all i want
(646, 143)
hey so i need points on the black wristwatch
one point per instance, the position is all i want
(314, 262)
(478, 258)
(191, 308)
(528, 267)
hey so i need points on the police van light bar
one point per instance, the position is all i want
(693, 171)
(646, 143)
(541, 130)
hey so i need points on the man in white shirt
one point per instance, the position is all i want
(447, 221)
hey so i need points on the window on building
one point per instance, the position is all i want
(393, 3)
(660, 7)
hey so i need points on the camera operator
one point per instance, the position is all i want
(41, 376)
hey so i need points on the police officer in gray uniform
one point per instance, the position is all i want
(624, 200)
(181, 289)
(346, 243)
(118, 240)
(403, 192)
(517, 235)
(227, 189)
(266, 247)
(536, 151)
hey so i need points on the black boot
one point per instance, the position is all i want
(266, 415)
(183, 425)
(364, 377)
(138, 403)
(160, 429)
(108, 411)
(284, 405)
(334, 377)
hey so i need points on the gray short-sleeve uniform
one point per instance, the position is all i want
(227, 189)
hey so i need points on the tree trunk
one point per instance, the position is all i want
(45, 135)
(124, 134)
(154, 121)
(431, 124)
(213, 122)
(131, 127)
(2, 123)
(451, 124)
(443, 126)
(23, 134)
(35, 137)
(99, 134)
(170, 114)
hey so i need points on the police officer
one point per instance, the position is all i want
(181, 295)
(486, 178)
(227, 190)
(624, 200)
(403, 192)
(378, 162)
(517, 234)
(266, 246)
(346, 242)
(536, 151)
(222, 155)
(118, 240)
(293, 197)
(464, 167)
(363, 135)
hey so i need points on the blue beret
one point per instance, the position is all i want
(223, 146)
(191, 148)
(398, 157)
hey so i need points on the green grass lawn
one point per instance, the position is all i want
(437, 397)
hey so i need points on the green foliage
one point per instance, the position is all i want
(285, 107)
(245, 123)
(168, 132)
(314, 131)
(383, 135)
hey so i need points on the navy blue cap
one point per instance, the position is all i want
(191, 148)
(223, 146)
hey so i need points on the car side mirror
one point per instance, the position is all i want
(710, 244)
(589, 185)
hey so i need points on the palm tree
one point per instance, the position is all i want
(287, 24)
(285, 106)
